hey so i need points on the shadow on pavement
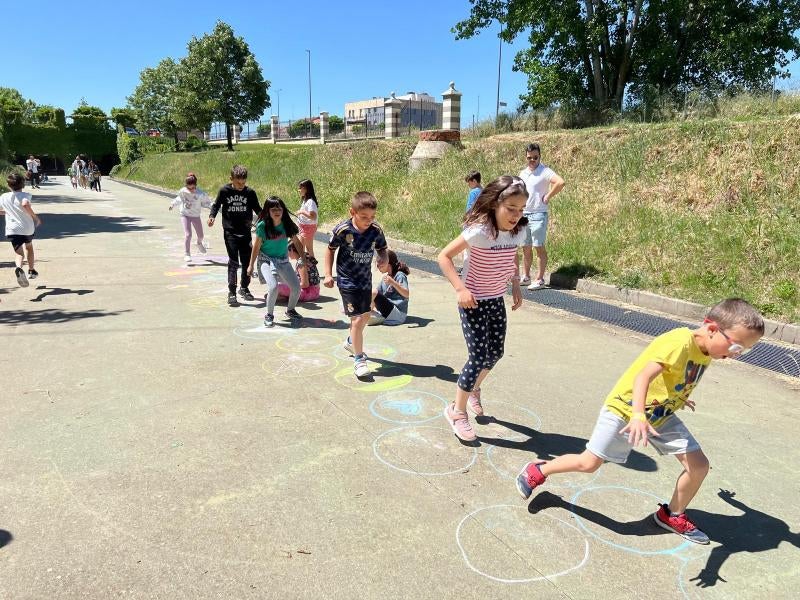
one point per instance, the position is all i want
(753, 531)
(58, 292)
(390, 368)
(547, 446)
(5, 537)
(30, 317)
(57, 226)
(45, 199)
(417, 322)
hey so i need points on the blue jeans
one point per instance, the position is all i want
(271, 269)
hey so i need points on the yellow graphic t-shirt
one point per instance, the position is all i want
(684, 365)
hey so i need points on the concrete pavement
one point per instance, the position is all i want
(158, 444)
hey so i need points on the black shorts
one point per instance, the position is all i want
(19, 240)
(356, 302)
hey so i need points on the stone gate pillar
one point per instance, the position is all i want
(451, 109)
(274, 125)
(323, 126)
(391, 111)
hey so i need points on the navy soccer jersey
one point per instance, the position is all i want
(356, 248)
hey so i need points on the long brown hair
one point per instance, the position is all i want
(395, 264)
(482, 212)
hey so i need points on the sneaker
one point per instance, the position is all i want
(201, 247)
(269, 320)
(474, 402)
(360, 367)
(459, 421)
(525, 280)
(246, 295)
(187, 258)
(679, 524)
(293, 314)
(32, 273)
(529, 479)
(348, 345)
(232, 301)
(21, 279)
(537, 284)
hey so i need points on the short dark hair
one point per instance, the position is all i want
(735, 311)
(364, 200)
(15, 181)
(239, 172)
(191, 179)
(533, 148)
(473, 176)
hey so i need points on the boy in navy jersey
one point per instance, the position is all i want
(357, 239)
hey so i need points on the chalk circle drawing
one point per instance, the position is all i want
(308, 342)
(407, 407)
(511, 412)
(423, 450)
(373, 349)
(185, 272)
(555, 546)
(507, 462)
(208, 302)
(177, 286)
(259, 332)
(659, 544)
(296, 365)
(390, 378)
(209, 278)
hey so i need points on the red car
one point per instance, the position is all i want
(153, 133)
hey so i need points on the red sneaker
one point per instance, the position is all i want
(530, 478)
(679, 524)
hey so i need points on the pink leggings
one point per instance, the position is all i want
(188, 222)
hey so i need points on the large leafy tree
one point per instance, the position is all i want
(14, 108)
(220, 80)
(594, 52)
(124, 117)
(154, 99)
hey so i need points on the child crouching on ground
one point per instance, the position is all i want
(390, 298)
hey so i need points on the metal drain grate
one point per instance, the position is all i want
(766, 355)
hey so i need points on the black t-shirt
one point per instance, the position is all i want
(237, 208)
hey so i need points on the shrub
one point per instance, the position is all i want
(193, 144)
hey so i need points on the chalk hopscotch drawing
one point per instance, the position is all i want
(299, 365)
(403, 448)
(407, 407)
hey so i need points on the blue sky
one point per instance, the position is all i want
(358, 50)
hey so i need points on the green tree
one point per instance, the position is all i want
(264, 129)
(335, 124)
(14, 108)
(591, 53)
(220, 80)
(300, 128)
(89, 117)
(154, 99)
(124, 117)
(44, 114)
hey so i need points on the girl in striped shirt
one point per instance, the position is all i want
(493, 229)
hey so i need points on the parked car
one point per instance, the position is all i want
(153, 133)
(131, 131)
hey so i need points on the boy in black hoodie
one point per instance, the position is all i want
(238, 203)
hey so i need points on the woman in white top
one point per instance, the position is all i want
(307, 215)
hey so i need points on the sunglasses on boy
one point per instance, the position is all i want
(734, 348)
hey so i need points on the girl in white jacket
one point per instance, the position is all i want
(192, 199)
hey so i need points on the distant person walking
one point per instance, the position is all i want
(542, 184)
(191, 200)
(33, 165)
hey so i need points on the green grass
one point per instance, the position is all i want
(698, 210)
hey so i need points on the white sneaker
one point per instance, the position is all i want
(536, 285)
(348, 345)
(525, 280)
(201, 247)
(360, 367)
(187, 258)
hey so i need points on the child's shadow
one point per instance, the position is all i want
(415, 322)
(5, 537)
(57, 292)
(390, 368)
(547, 446)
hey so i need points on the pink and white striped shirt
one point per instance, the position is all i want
(489, 262)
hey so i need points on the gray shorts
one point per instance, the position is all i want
(609, 444)
(536, 230)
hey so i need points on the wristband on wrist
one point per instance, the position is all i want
(639, 416)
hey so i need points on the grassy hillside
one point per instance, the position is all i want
(697, 210)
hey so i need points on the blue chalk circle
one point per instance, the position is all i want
(406, 407)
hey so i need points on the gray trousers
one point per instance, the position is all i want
(270, 269)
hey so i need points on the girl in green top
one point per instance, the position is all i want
(274, 231)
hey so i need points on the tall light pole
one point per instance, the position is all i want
(309, 91)
(499, 60)
(279, 103)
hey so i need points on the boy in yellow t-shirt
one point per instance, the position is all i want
(641, 409)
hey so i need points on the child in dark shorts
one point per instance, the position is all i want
(357, 239)
(21, 223)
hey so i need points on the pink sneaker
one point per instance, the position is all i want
(459, 421)
(474, 402)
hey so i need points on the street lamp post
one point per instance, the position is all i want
(309, 92)
(279, 103)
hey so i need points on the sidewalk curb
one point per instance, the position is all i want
(773, 330)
